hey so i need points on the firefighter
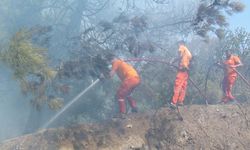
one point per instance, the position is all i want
(230, 75)
(130, 80)
(182, 76)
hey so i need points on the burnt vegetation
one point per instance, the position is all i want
(63, 46)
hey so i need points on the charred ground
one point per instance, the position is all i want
(204, 127)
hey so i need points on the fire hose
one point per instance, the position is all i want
(220, 66)
(241, 76)
(166, 62)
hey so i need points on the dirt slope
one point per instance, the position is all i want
(218, 127)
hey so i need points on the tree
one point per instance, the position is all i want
(211, 16)
(75, 36)
(30, 66)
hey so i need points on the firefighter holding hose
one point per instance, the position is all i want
(129, 81)
(230, 76)
(180, 85)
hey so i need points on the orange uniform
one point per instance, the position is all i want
(229, 77)
(182, 75)
(185, 55)
(130, 80)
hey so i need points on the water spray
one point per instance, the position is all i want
(69, 104)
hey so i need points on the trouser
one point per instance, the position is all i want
(227, 86)
(124, 92)
(180, 87)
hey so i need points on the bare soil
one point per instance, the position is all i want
(213, 127)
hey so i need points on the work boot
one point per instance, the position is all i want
(134, 110)
(172, 105)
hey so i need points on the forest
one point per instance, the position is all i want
(51, 50)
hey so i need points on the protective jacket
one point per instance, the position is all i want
(130, 80)
(229, 77)
(182, 76)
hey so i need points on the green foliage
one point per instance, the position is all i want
(23, 57)
(30, 66)
(237, 42)
(55, 103)
(211, 16)
(128, 34)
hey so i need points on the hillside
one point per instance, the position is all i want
(203, 127)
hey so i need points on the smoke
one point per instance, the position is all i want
(76, 31)
(14, 108)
